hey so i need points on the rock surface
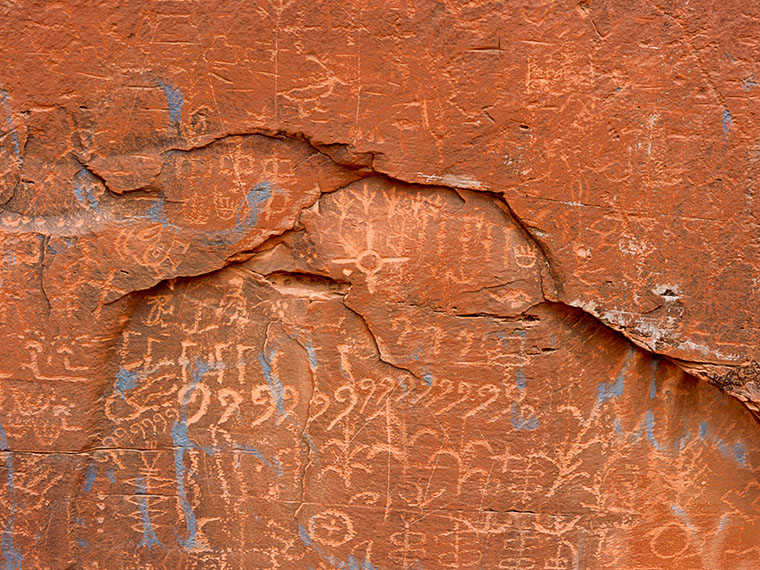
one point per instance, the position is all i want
(379, 285)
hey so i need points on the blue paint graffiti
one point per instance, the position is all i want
(126, 380)
(89, 477)
(608, 390)
(749, 82)
(304, 536)
(579, 552)
(312, 354)
(175, 100)
(11, 128)
(182, 444)
(722, 522)
(681, 514)
(149, 537)
(11, 556)
(275, 386)
(83, 189)
(519, 422)
(649, 426)
(310, 443)
(646, 426)
(274, 465)
(428, 378)
(728, 120)
(739, 454)
(653, 385)
(521, 379)
(157, 213)
(736, 452)
(681, 442)
(351, 563)
(255, 197)
(190, 522)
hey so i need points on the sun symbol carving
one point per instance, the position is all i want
(368, 261)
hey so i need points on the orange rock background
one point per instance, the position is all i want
(379, 285)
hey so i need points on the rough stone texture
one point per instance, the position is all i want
(379, 285)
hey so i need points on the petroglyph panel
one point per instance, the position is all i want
(379, 286)
(308, 414)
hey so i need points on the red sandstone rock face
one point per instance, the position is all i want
(316, 285)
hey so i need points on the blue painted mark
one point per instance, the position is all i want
(311, 354)
(521, 379)
(182, 443)
(681, 514)
(83, 189)
(83, 544)
(608, 390)
(157, 213)
(126, 380)
(649, 426)
(579, 552)
(89, 477)
(739, 454)
(653, 385)
(253, 200)
(618, 426)
(304, 536)
(278, 395)
(67, 243)
(749, 82)
(276, 466)
(11, 128)
(179, 435)
(175, 100)
(725, 449)
(728, 120)
(311, 445)
(680, 442)
(11, 556)
(735, 452)
(428, 378)
(723, 521)
(201, 368)
(351, 563)
(519, 422)
(403, 385)
(149, 537)
(192, 527)
(275, 386)
(111, 477)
